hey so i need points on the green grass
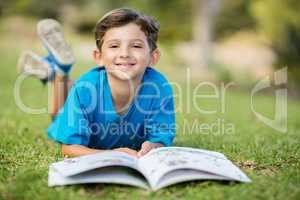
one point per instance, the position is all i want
(270, 158)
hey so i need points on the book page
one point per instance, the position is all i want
(118, 175)
(182, 175)
(73, 166)
(160, 161)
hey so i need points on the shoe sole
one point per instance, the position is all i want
(31, 64)
(52, 36)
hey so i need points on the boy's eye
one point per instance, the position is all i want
(113, 46)
(137, 46)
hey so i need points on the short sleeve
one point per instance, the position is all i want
(71, 125)
(160, 125)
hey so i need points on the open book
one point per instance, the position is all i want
(159, 168)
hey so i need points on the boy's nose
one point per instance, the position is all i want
(124, 52)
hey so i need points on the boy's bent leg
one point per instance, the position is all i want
(61, 59)
(32, 64)
(55, 67)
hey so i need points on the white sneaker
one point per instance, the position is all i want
(32, 64)
(51, 34)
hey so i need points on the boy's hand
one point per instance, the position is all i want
(147, 146)
(127, 150)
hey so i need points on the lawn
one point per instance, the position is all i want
(270, 158)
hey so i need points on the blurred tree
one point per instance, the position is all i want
(1, 7)
(279, 21)
(83, 15)
(32, 7)
(204, 15)
(232, 17)
(174, 16)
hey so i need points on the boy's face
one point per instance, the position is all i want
(125, 52)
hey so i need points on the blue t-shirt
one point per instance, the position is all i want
(88, 116)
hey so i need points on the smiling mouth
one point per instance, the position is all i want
(125, 65)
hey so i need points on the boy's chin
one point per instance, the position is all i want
(123, 76)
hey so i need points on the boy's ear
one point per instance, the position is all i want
(97, 57)
(155, 55)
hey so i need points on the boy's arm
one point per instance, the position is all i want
(80, 150)
(77, 150)
(160, 126)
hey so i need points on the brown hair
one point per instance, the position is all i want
(123, 16)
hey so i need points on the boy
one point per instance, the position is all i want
(123, 104)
